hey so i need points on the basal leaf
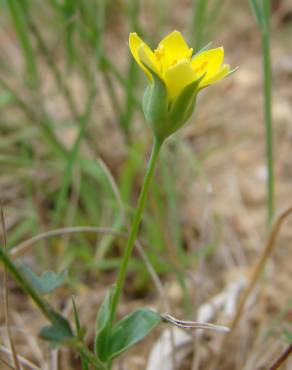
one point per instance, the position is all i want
(131, 329)
(45, 283)
(59, 331)
(103, 327)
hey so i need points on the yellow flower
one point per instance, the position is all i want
(174, 63)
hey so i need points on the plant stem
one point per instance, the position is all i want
(44, 307)
(268, 108)
(135, 226)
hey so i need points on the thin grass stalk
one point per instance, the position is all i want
(61, 200)
(44, 121)
(5, 296)
(267, 71)
(262, 11)
(127, 114)
(282, 359)
(198, 23)
(107, 63)
(18, 18)
(55, 71)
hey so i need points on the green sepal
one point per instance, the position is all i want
(103, 327)
(131, 329)
(166, 118)
(183, 106)
(155, 105)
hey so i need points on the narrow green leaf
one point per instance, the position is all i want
(45, 283)
(76, 317)
(203, 48)
(16, 9)
(103, 327)
(131, 329)
(80, 334)
(258, 12)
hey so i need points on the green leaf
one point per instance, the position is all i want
(131, 329)
(103, 326)
(155, 105)
(258, 13)
(54, 334)
(59, 331)
(80, 334)
(45, 283)
(183, 106)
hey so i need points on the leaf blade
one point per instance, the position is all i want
(131, 329)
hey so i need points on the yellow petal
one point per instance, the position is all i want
(134, 44)
(208, 62)
(146, 56)
(179, 76)
(175, 48)
(224, 71)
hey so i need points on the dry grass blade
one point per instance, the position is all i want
(5, 296)
(24, 361)
(194, 324)
(268, 249)
(284, 356)
(6, 364)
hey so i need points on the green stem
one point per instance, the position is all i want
(268, 108)
(135, 226)
(44, 307)
(90, 357)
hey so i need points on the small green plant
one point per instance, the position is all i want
(175, 77)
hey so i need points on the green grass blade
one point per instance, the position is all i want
(19, 21)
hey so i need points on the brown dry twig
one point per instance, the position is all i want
(268, 249)
(284, 356)
(5, 296)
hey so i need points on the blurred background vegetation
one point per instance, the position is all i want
(74, 145)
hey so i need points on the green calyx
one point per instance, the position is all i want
(166, 117)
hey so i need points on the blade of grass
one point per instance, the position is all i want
(267, 70)
(262, 12)
(19, 21)
(44, 122)
(61, 199)
(129, 105)
(55, 71)
(198, 23)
